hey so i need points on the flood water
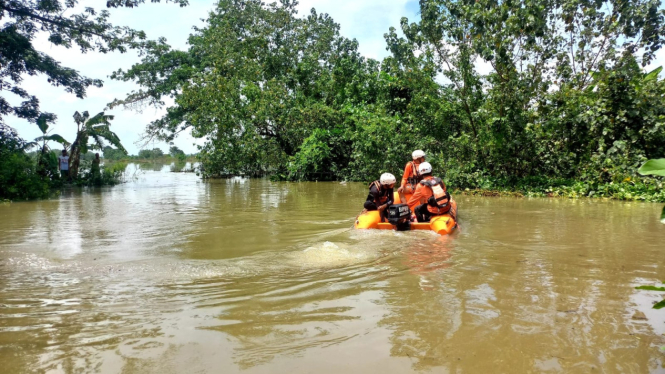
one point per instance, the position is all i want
(171, 274)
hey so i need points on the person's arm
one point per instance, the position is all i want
(415, 198)
(377, 197)
(391, 197)
(370, 202)
(406, 175)
(375, 194)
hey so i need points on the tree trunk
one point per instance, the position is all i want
(42, 163)
(75, 157)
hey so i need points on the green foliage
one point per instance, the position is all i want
(176, 152)
(48, 167)
(20, 177)
(650, 288)
(95, 175)
(112, 174)
(96, 127)
(47, 161)
(653, 167)
(26, 176)
(257, 78)
(151, 153)
(658, 305)
(313, 161)
(179, 155)
(90, 30)
(566, 109)
(113, 154)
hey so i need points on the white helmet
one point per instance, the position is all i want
(425, 168)
(387, 178)
(417, 154)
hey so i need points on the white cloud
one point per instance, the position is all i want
(365, 21)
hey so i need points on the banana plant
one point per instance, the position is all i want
(42, 123)
(42, 143)
(654, 167)
(97, 128)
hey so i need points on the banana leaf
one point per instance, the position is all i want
(653, 167)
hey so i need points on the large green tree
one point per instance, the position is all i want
(542, 55)
(255, 82)
(90, 30)
(564, 95)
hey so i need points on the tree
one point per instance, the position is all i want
(97, 128)
(564, 102)
(111, 153)
(175, 151)
(151, 153)
(23, 20)
(542, 56)
(178, 154)
(19, 178)
(46, 161)
(255, 81)
(46, 137)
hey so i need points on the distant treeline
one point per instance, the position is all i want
(176, 153)
(565, 109)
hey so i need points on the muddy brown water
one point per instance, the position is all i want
(170, 274)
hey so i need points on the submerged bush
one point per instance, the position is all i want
(20, 176)
(106, 175)
(19, 179)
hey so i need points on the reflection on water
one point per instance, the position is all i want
(172, 274)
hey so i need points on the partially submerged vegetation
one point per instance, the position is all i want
(655, 167)
(641, 190)
(565, 109)
(28, 175)
(564, 105)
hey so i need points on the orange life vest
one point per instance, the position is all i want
(383, 197)
(415, 177)
(439, 202)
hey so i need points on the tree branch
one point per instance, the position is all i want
(58, 22)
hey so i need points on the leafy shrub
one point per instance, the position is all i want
(20, 178)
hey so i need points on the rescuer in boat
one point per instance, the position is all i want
(411, 176)
(431, 194)
(381, 193)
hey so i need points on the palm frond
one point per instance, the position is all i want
(42, 123)
(96, 127)
(99, 139)
(78, 118)
(83, 145)
(111, 137)
(53, 137)
(99, 119)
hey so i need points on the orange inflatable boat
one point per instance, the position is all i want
(442, 225)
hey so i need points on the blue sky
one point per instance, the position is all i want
(364, 20)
